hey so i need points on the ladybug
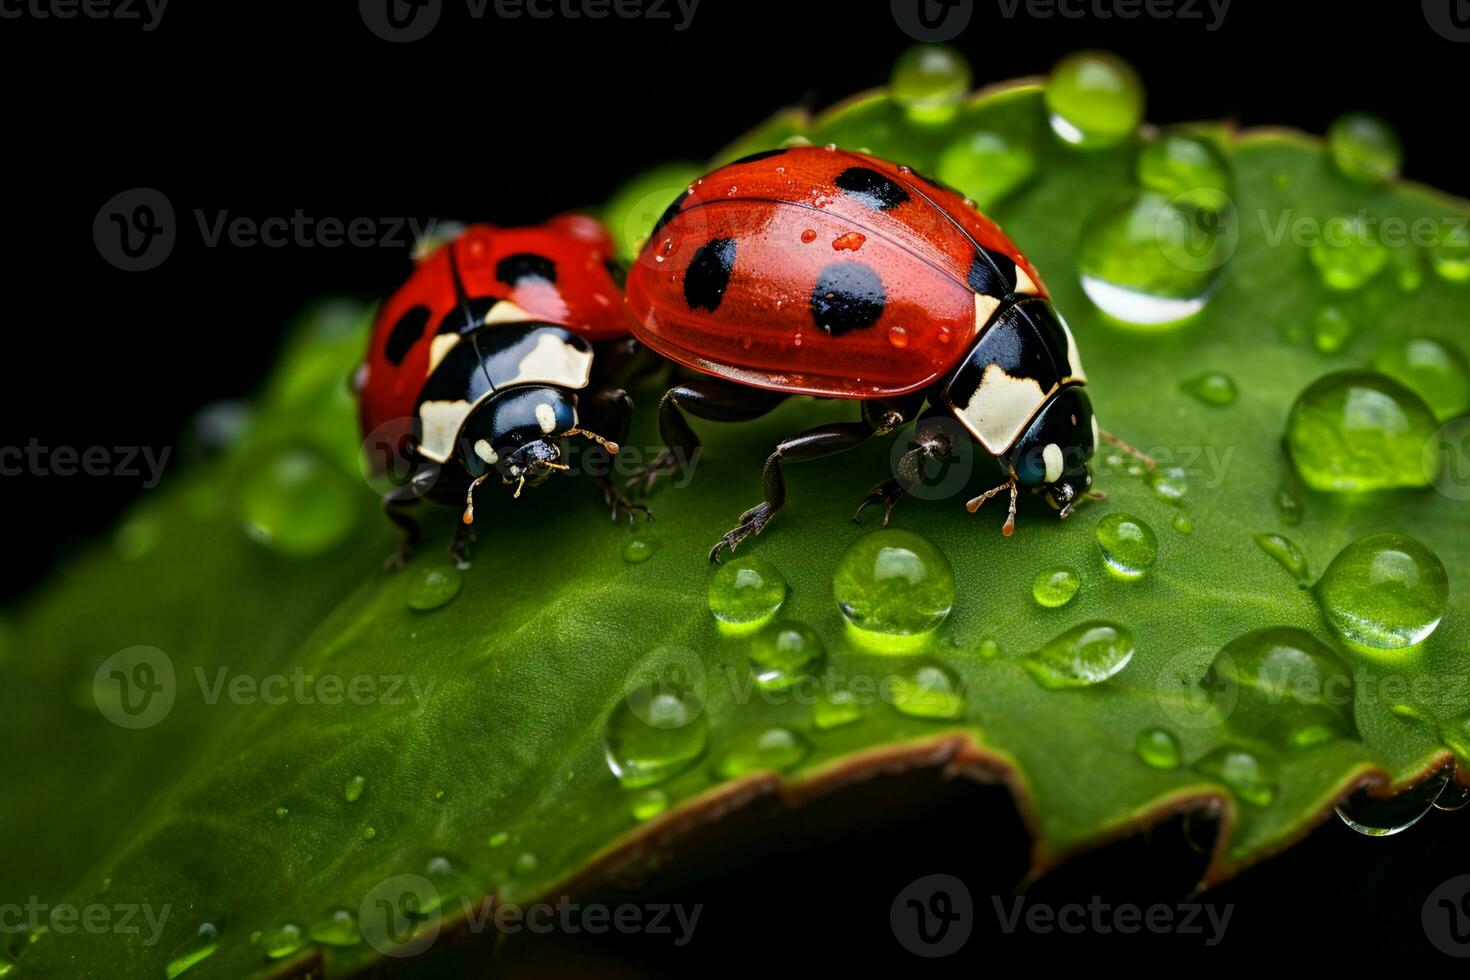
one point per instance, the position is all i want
(482, 363)
(817, 271)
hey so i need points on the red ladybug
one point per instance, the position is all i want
(483, 362)
(817, 271)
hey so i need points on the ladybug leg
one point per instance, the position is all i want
(706, 398)
(824, 440)
(459, 548)
(885, 416)
(611, 413)
(398, 513)
(1013, 485)
(888, 493)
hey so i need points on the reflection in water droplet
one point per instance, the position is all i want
(1094, 99)
(1433, 369)
(1212, 388)
(1283, 686)
(1176, 164)
(928, 689)
(1365, 147)
(1354, 431)
(1088, 653)
(337, 928)
(1128, 545)
(1055, 586)
(745, 593)
(783, 653)
(929, 81)
(894, 588)
(656, 731)
(1379, 817)
(1286, 553)
(1159, 748)
(1252, 778)
(776, 749)
(1384, 592)
(986, 166)
(193, 951)
(1169, 484)
(433, 587)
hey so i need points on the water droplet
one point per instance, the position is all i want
(929, 81)
(928, 689)
(836, 709)
(988, 648)
(193, 951)
(1094, 99)
(1212, 388)
(1450, 255)
(986, 166)
(1159, 748)
(1365, 147)
(1408, 264)
(337, 928)
(368, 833)
(1433, 369)
(1380, 817)
(1250, 777)
(1455, 796)
(1286, 553)
(639, 550)
(1331, 330)
(783, 653)
(656, 731)
(432, 587)
(1169, 484)
(1088, 653)
(850, 242)
(352, 792)
(894, 588)
(898, 337)
(1146, 260)
(1283, 685)
(746, 593)
(297, 503)
(1183, 524)
(220, 426)
(648, 803)
(282, 941)
(1384, 592)
(808, 236)
(1128, 545)
(1357, 431)
(454, 885)
(136, 537)
(527, 863)
(1348, 254)
(1288, 507)
(775, 749)
(282, 813)
(1176, 164)
(1055, 586)
(499, 838)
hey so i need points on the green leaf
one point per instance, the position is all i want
(489, 753)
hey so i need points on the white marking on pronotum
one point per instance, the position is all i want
(1052, 457)
(485, 452)
(1000, 407)
(506, 312)
(1025, 285)
(442, 421)
(441, 345)
(554, 361)
(546, 417)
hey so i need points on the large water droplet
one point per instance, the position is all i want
(1286, 553)
(1384, 592)
(1379, 817)
(775, 749)
(1159, 748)
(1365, 147)
(282, 941)
(297, 503)
(1348, 253)
(656, 731)
(746, 593)
(928, 689)
(930, 81)
(432, 587)
(1177, 164)
(1094, 99)
(1249, 776)
(1088, 653)
(337, 928)
(1213, 388)
(1433, 369)
(894, 588)
(1283, 686)
(986, 166)
(1129, 546)
(1055, 586)
(1357, 431)
(783, 653)
(193, 951)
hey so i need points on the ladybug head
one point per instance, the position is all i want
(1051, 456)
(519, 434)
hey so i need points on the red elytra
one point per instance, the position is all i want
(790, 222)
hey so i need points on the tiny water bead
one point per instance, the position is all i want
(1169, 483)
(836, 709)
(193, 951)
(1348, 253)
(1088, 653)
(1094, 99)
(527, 862)
(1408, 264)
(352, 790)
(1331, 330)
(433, 587)
(986, 166)
(1375, 816)
(745, 593)
(639, 550)
(1158, 748)
(1183, 523)
(282, 941)
(655, 732)
(1176, 164)
(499, 838)
(928, 689)
(929, 80)
(1284, 686)
(337, 928)
(1450, 255)
(1054, 587)
(783, 653)
(138, 536)
(1145, 260)
(1249, 776)
(1286, 553)
(1355, 431)
(1384, 592)
(647, 804)
(773, 749)
(1212, 388)
(1365, 147)
(297, 503)
(1435, 370)
(1288, 505)
(1129, 546)
(894, 588)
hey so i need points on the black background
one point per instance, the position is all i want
(262, 109)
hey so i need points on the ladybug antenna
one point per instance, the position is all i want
(469, 497)
(611, 447)
(1124, 447)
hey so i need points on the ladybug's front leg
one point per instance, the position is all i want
(397, 511)
(706, 398)
(611, 413)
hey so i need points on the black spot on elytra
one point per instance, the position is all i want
(992, 274)
(847, 296)
(761, 155)
(469, 316)
(525, 265)
(405, 333)
(872, 188)
(709, 273)
(668, 215)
